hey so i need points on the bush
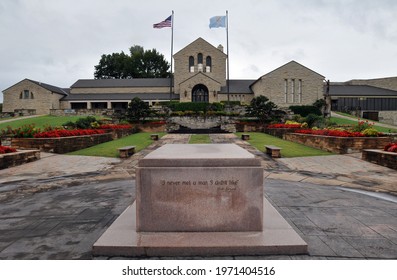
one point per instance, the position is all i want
(195, 106)
(305, 110)
(370, 132)
(315, 120)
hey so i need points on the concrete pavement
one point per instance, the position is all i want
(57, 207)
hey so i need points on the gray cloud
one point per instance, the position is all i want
(58, 42)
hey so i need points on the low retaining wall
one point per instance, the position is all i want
(61, 145)
(247, 127)
(18, 158)
(279, 132)
(150, 127)
(380, 157)
(119, 133)
(338, 145)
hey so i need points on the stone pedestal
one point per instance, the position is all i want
(199, 200)
(204, 187)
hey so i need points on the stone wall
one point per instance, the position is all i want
(181, 58)
(380, 157)
(81, 112)
(272, 85)
(61, 145)
(18, 158)
(279, 132)
(39, 99)
(150, 127)
(338, 145)
(389, 117)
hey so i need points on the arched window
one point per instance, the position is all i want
(200, 58)
(200, 93)
(191, 64)
(208, 64)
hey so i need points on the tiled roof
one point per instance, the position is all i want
(238, 86)
(119, 96)
(112, 83)
(351, 90)
(51, 87)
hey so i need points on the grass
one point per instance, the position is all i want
(200, 139)
(109, 149)
(341, 121)
(41, 122)
(289, 149)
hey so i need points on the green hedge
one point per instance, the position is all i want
(305, 110)
(196, 106)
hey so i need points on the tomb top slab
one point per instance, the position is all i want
(199, 155)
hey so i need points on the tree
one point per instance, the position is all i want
(137, 110)
(263, 109)
(138, 64)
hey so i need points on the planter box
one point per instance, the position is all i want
(61, 145)
(18, 158)
(279, 132)
(381, 157)
(338, 145)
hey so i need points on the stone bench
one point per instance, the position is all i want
(245, 137)
(154, 137)
(273, 151)
(126, 151)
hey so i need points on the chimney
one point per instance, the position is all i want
(220, 47)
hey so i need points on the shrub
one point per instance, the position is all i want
(305, 110)
(371, 132)
(362, 125)
(195, 106)
(315, 120)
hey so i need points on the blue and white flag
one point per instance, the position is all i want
(218, 21)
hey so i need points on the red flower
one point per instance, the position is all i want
(67, 133)
(330, 132)
(6, 150)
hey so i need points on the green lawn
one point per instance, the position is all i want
(41, 122)
(289, 149)
(341, 121)
(200, 139)
(109, 149)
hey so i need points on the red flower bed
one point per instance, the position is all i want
(283, 125)
(392, 147)
(115, 126)
(67, 133)
(330, 132)
(6, 150)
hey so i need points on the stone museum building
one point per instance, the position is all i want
(200, 76)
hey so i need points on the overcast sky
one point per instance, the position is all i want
(60, 41)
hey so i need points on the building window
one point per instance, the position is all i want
(208, 64)
(292, 90)
(200, 58)
(191, 64)
(26, 94)
(300, 91)
(286, 90)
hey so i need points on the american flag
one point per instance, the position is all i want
(165, 23)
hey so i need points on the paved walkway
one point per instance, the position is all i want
(56, 208)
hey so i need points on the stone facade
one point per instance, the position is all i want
(389, 117)
(183, 71)
(28, 95)
(290, 84)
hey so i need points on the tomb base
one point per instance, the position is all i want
(276, 238)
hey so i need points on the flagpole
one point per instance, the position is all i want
(172, 49)
(227, 49)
